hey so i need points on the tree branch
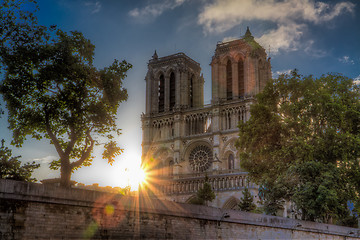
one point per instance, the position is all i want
(86, 152)
(52, 136)
(73, 138)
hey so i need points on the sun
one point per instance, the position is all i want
(136, 177)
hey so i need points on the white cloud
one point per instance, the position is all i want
(346, 60)
(278, 73)
(315, 52)
(284, 37)
(45, 160)
(228, 39)
(155, 9)
(290, 16)
(94, 6)
(357, 80)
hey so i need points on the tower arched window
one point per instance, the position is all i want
(231, 161)
(241, 79)
(228, 80)
(172, 90)
(161, 93)
(171, 166)
(191, 91)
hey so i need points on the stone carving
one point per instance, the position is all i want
(200, 158)
(163, 122)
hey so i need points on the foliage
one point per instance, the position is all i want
(10, 167)
(197, 201)
(247, 201)
(17, 27)
(52, 90)
(205, 194)
(301, 144)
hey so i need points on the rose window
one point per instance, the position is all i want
(200, 158)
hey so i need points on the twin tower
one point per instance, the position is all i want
(185, 140)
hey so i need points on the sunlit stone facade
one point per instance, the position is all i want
(183, 139)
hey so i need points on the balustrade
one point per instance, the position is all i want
(222, 182)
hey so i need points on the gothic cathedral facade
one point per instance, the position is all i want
(185, 140)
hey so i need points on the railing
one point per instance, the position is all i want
(221, 182)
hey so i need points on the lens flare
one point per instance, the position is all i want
(136, 177)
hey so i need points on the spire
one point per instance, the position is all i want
(248, 34)
(155, 56)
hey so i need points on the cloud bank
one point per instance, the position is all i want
(290, 16)
(156, 9)
(346, 60)
(95, 7)
(45, 160)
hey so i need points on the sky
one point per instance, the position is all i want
(315, 37)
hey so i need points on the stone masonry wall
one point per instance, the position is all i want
(36, 211)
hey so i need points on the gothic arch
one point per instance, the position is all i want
(229, 145)
(191, 199)
(231, 203)
(170, 70)
(239, 56)
(224, 59)
(161, 158)
(189, 146)
(162, 154)
(158, 73)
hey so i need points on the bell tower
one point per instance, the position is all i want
(173, 85)
(173, 82)
(240, 69)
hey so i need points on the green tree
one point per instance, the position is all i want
(52, 90)
(301, 144)
(205, 194)
(10, 167)
(247, 201)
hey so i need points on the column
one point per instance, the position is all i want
(178, 90)
(148, 80)
(184, 99)
(235, 80)
(154, 95)
(167, 93)
(215, 81)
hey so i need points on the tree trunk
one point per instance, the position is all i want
(65, 176)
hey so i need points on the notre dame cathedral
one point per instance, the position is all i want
(185, 140)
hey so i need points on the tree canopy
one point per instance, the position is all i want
(11, 168)
(52, 90)
(302, 144)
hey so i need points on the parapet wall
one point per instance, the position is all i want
(36, 211)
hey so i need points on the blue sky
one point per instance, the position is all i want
(316, 37)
